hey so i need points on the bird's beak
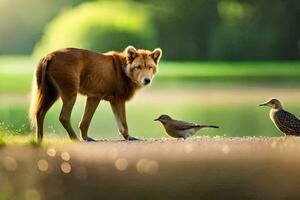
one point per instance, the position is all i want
(156, 119)
(263, 104)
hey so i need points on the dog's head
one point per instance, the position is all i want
(142, 64)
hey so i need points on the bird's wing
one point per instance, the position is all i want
(288, 121)
(181, 125)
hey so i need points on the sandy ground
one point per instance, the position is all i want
(199, 168)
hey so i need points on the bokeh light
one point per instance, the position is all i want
(65, 156)
(10, 163)
(65, 167)
(121, 164)
(225, 149)
(43, 165)
(146, 166)
(51, 151)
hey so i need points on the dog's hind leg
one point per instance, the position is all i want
(65, 115)
(40, 115)
(90, 108)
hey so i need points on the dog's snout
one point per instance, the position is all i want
(147, 80)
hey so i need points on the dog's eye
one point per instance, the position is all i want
(150, 67)
(137, 67)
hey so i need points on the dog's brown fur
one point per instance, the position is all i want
(112, 76)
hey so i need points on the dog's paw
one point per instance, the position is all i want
(131, 138)
(89, 139)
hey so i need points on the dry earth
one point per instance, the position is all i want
(199, 168)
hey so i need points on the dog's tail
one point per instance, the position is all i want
(42, 90)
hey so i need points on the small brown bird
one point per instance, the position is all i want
(180, 129)
(286, 122)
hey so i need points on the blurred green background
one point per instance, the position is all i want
(221, 58)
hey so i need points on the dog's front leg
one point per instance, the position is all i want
(118, 108)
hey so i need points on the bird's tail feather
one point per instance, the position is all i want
(208, 126)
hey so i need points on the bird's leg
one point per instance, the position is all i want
(284, 139)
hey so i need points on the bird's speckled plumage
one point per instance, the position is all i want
(284, 121)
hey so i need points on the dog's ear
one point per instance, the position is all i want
(131, 53)
(156, 55)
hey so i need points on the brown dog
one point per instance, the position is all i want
(112, 76)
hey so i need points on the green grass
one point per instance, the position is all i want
(234, 120)
(18, 139)
(16, 72)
